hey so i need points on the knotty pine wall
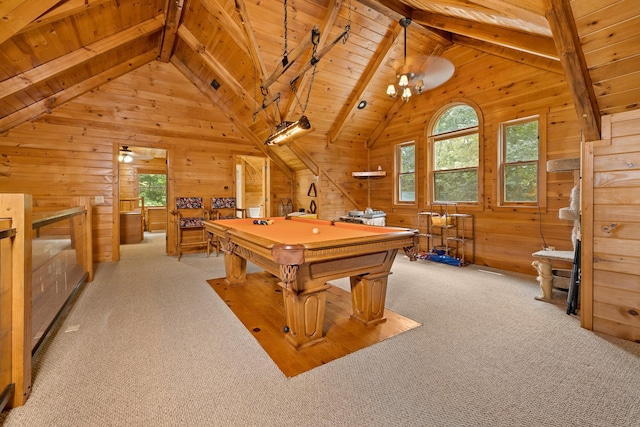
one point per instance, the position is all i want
(610, 289)
(72, 151)
(503, 90)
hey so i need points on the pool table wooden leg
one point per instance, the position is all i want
(368, 294)
(304, 313)
(235, 268)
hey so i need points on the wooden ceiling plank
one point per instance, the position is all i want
(227, 23)
(17, 14)
(174, 14)
(371, 71)
(256, 56)
(217, 68)
(64, 10)
(206, 90)
(325, 28)
(526, 10)
(304, 158)
(382, 124)
(531, 43)
(35, 110)
(564, 31)
(397, 10)
(292, 55)
(251, 39)
(57, 66)
(540, 62)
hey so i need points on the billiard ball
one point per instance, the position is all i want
(315, 231)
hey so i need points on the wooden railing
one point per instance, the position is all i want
(44, 246)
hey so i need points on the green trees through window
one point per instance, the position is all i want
(520, 153)
(153, 187)
(456, 155)
(406, 172)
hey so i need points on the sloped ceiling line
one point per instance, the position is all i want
(206, 89)
(565, 36)
(235, 86)
(530, 43)
(17, 14)
(370, 72)
(39, 108)
(302, 81)
(52, 68)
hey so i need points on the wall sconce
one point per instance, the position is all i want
(288, 131)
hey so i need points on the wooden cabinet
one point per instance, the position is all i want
(130, 227)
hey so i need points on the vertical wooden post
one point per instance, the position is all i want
(18, 207)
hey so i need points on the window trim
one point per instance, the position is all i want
(397, 173)
(432, 139)
(541, 202)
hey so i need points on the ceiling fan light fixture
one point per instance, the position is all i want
(125, 155)
(288, 131)
(404, 81)
(391, 91)
(406, 94)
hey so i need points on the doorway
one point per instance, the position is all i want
(253, 185)
(142, 189)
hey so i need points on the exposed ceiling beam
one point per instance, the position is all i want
(255, 54)
(17, 14)
(77, 57)
(227, 23)
(564, 31)
(396, 10)
(372, 69)
(292, 55)
(237, 122)
(526, 10)
(518, 40)
(35, 110)
(523, 9)
(526, 58)
(251, 41)
(382, 124)
(217, 68)
(172, 21)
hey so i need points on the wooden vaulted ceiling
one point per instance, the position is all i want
(52, 51)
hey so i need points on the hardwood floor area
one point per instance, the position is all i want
(259, 306)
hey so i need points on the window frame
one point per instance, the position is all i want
(433, 139)
(398, 174)
(541, 190)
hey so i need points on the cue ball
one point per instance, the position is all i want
(315, 231)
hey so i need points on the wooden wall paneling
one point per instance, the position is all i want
(610, 299)
(504, 238)
(302, 200)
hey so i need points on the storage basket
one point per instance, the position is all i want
(442, 221)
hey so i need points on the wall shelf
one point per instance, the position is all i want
(369, 174)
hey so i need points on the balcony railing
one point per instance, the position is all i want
(45, 258)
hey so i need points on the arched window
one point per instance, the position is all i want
(455, 155)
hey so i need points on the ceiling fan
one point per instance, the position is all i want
(127, 155)
(436, 72)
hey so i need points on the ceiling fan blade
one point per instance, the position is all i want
(437, 71)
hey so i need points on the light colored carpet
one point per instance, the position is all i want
(149, 344)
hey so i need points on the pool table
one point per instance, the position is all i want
(306, 259)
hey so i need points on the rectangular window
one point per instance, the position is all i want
(519, 155)
(406, 172)
(455, 168)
